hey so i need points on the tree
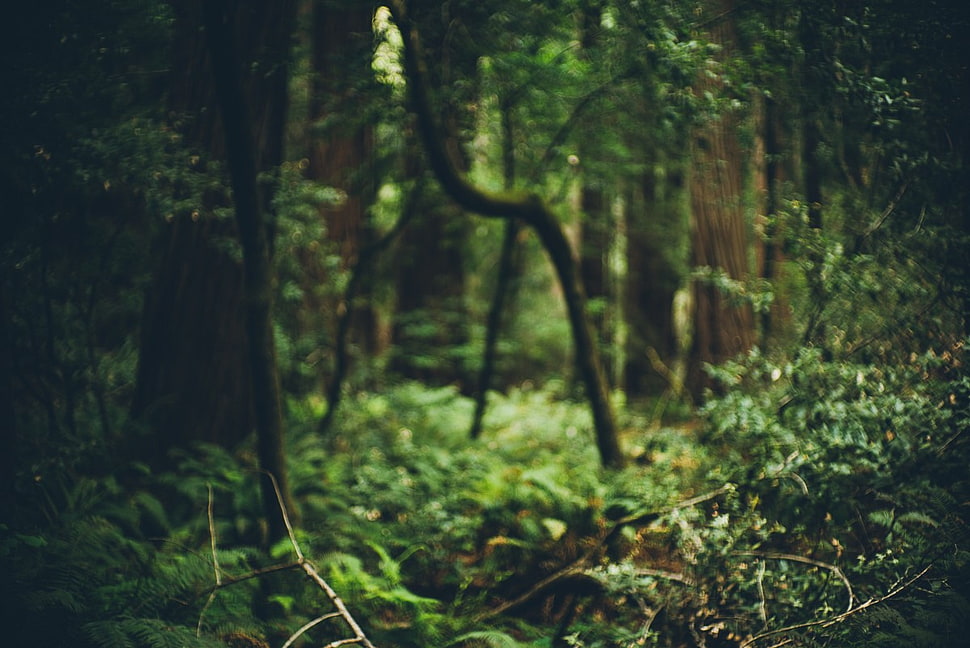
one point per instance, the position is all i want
(341, 155)
(655, 220)
(531, 210)
(430, 328)
(254, 234)
(723, 326)
(194, 311)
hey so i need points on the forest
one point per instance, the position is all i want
(485, 324)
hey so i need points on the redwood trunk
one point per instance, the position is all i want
(723, 327)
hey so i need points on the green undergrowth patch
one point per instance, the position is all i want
(814, 503)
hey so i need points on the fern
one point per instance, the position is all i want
(486, 639)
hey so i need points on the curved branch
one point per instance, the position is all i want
(839, 618)
(772, 555)
(531, 210)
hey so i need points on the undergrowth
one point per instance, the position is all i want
(816, 503)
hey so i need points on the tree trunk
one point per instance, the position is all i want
(192, 381)
(775, 170)
(431, 320)
(253, 224)
(595, 222)
(509, 269)
(723, 328)
(341, 156)
(532, 211)
(653, 227)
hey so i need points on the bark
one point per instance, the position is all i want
(510, 262)
(652, 229)
(532, 211)
(253, 226)
(595, 218)
(193, 381)
(341, 156)
(723, 328)
(431, 320)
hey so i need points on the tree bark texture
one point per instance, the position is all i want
(719, 233)
(431, 319)
(652, 223)
(254, 235)
(193, 381)
(509, 268)
(341, 156)
(531, 210)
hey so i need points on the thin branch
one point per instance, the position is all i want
(762, 599)
(311, 571)
(890, 208)
(212, 538)
(578, 565)
(215, 563)
(838, 618)
(306, 626)
(771, 555)
(343, 642)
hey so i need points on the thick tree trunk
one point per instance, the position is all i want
(253, 223)
(653, 227)
(719, 241)
(193, 381)
(341, 156)
(531, 210)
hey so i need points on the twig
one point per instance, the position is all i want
(306, 626)
(890, 208)
(763, 603)
(838, 618)
(771, 555)
(311, 571)
(215, 563)
(301, 562)
(578, 565)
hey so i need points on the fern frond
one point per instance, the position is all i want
(487, 639)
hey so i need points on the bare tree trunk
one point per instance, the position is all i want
(654, 224)
(341, 156)
(508, 270)
(193, 381)
(252, 221)
(534, 212)
(719, 240)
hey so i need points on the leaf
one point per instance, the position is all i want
(556, 528)
(491, 638)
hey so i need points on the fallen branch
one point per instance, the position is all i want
(771, 555)
(579, 565)
(301, 562)
(838, 618)
(311, 571)
(215, 564)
